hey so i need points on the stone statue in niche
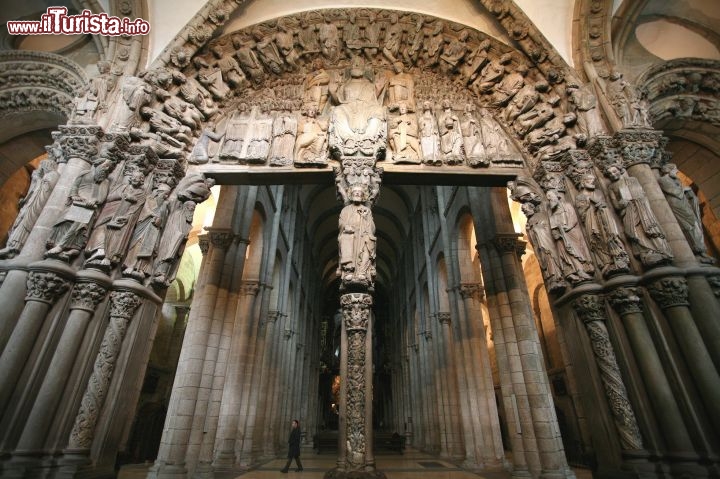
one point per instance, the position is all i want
(284, 131)
(393, 39)
(311, 142)
(88, 192)
(146, 235)
(475, 61)
(538, 231)
(267, 51)
(647, 239)
(600, 228)
(114, 225)
(357, 123)
(686, 208)
(356, 240)
(433, 47)
(258, 146)
(583, 103)
(451, 138)
(231, 72)
(329, 40)
(414, 43)
(248, 59)
(193, 189)
(134, 94)
(404, 141)
(401, 89)
(572, 251)
(429, 136)
(454, 53)
(491, 74)
(511, 83)
(199, 154)
(211, 78)
(472, 138)
(316, 87)
(234, 146)
(42, 182)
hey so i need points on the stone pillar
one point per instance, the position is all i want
(455, 444)
(628, 305)
(671, 294)
(90, 289)
(47, 281)
(591, 311)
(124, 302)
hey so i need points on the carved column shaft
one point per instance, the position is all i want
(671, 294)
(590, 310)
(123, 305)
(628, 305)
(46, 283)
(89, 290)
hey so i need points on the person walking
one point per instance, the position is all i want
(293, 448)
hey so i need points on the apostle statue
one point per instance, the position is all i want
(573, 253)
(429, 136)
(356, 240)
(144, 241)
(538, 231)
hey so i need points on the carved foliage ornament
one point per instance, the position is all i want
(87, 295)
(45, 286)
(670, 292)
(625, 301)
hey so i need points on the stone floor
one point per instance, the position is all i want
(411, 465)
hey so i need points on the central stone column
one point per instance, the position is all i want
(358, 135)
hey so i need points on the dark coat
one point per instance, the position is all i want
(294, 443)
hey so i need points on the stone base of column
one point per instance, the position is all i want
(167, 471)
(338, 474)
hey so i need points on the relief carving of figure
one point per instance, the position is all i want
(372, 37)
(472, 138)
(167, 127)
(285, 41)
(236, 132)
(211, 78)
(454, 52)
(42, 182)
(414, 44)
(356, 240)
(144, 241)
(316, 87)
(114, 225)
(88, 192)
(258, 146)
(429, 136)
(404, 141)
(686, 208)
(229, 68)
(572, 251)
(533, 119)
(93, 98)
(393, 39)
(451, 138)
(308, 37)
(284, 131)
(494, 138)
(329, 40)
(353, 36)
(475, 61)
(179, 224)
(600, 228)
(647, 239)
(434, 46)
(134, 94)
(524, 100)
(491, 74)
(357, 124)
(538, 231)
(248, 59)
(509, 86)
(267, 51)
(401, 89)
(311, 142)
(199, 154)
(616, 91)
(583, 103)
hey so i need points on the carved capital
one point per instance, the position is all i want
(204, 243)
(444, 318)
(638, 146)
(221, 238)
(124, 304)
(272, 316)
(356, 310)
(625, 301)
(249, 288)
(714, 281)
(45, 286)
(472, 290)
(510, 243)
(670, 292)
(80, 142)
(589, 308)
(87, 295)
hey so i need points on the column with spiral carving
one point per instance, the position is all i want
(123, 306)
(671, 294)
(627, 303)
(90, 289)
(47, 281)
(591, 310)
